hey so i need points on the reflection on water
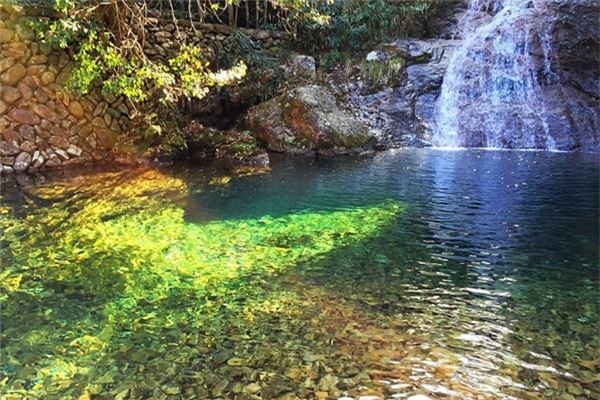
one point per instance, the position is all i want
(467, 274)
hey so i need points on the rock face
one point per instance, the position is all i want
(506, 73)
(527, 77)
(308, 120)
(406, 111)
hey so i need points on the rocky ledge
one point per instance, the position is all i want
(506, 74)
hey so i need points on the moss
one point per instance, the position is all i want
(384, 73)
(242, 150)
(155, 132)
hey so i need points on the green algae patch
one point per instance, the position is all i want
(107, 290)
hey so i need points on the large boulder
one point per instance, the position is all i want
(300, 67)
(307, 120)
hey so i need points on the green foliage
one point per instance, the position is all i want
(241, 146)
(383, 73)
(195, 76)
(356, 25)
(71, 21)
(264, 68)
(158, 133)
(186, 74)
(105, 55)
(231, 145)
(303, 12)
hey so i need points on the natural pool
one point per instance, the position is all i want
(461, 275)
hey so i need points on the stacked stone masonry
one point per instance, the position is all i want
(43, 125)
(164, 36)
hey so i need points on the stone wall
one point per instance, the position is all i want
(164, 36)
(44, 125)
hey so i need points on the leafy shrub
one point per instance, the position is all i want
(109, 49)
(264, 72)
(354, 25)
(383, 73)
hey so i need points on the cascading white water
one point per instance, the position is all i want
(494, 90)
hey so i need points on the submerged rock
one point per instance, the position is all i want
(252, 388)
(308, 120)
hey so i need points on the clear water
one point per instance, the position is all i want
(448, 274)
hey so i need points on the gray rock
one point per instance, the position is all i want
(308, 120)
(301, 66)
(22, 162)
(547, 96)
(407, 111)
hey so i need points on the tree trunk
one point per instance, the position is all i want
(230, 13)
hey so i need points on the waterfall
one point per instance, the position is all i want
(499, 82)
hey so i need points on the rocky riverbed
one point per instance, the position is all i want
(368, 279)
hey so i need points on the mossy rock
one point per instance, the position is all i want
(308, 119)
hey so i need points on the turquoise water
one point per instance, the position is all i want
(447, 274)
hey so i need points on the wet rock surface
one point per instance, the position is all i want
(510, 74)
(406, 112)
(526, 77)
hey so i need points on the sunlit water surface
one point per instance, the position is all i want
(447, 274)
